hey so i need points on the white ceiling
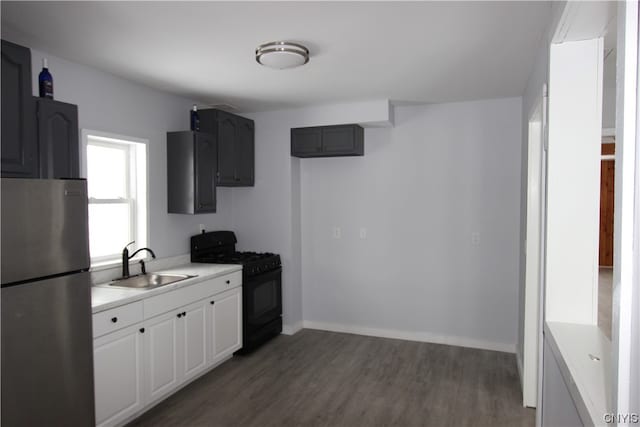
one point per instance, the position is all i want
(422, 52)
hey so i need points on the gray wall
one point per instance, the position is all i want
(609, 89)
(423, 186)
(420, 190)
(110, 104)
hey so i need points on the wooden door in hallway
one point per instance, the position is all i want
(607, 176)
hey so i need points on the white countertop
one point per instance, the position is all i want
(572, 344)
(104, 297)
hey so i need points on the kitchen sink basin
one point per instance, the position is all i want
(149, 280)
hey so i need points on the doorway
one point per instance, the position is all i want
(605, 253)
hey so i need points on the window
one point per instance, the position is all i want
(116, 171)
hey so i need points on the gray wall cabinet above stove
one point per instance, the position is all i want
(191, 172)
(327, 141)
(236, 145)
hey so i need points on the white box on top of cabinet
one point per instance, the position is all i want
(147, 349)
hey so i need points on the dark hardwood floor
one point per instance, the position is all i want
(317, 378)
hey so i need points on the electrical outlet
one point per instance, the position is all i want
(337, 233)
(200, 228)
(363, 233)
(475, 238)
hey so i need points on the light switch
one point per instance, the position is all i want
(363, 233)
(475, 238)
(337, 233)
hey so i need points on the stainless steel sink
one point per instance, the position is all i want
(149, 280)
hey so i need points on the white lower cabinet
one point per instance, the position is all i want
(225, 324)
(161, 356)
(117, 366)
(175, 349)
(139, 365)
(194, 340)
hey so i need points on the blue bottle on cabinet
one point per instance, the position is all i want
(195, 119)
(45, 80)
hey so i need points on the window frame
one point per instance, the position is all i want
(137, 157)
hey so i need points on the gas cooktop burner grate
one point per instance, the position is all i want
(219, 248)
(236, 257)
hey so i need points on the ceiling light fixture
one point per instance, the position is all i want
(282, 55)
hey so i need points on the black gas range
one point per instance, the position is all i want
(261, 284)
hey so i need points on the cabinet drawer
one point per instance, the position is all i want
(116, 318)
(171, 300)
(231, 281)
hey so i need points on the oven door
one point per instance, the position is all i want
(262, 298)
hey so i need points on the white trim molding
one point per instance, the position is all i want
(412, 336)
(291, 329)
(624, 283)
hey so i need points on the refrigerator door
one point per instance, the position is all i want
(47, 353)
(44, 228)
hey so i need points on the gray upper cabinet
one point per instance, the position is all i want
(306, 142)
(39, 136)
(245, 155)
(58, 139)
(227, 130)
(19, 144)
(327, 141)
(191, 172)
(236, 146)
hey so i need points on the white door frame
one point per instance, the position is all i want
(625, 280)
(535, 194)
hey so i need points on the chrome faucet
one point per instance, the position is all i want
(126, 257)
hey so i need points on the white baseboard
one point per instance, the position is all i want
(411, 336)
(291, 329)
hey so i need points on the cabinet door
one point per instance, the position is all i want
(162, 364)
(58, 139)
(306, 142)
(227, 131)
(117, 365)
(338, 139)
(225, 324)
(193, 340)
(245, 162)
(19, 145)
(205, 173)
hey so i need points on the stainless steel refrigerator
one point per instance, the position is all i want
(46, 333)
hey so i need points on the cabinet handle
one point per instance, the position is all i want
(212, 302)
(114, 319)
(179, 315)
(142, 330)
(228, 281)
(184, 313)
